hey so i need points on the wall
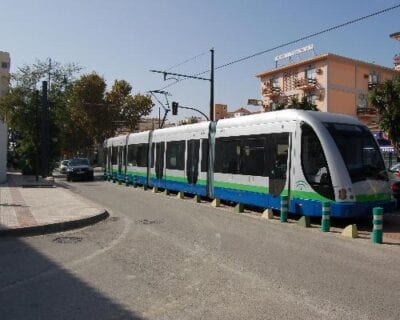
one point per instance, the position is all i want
(4, 81)
(3, 152)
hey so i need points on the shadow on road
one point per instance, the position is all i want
(32, 286)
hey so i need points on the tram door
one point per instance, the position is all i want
(192, 161)
(159, 165)
(279, 147)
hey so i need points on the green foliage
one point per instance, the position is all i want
(386, 98)
(20, 107)
(81, 113)
(89, 120)
(130, 108)
(294, 103)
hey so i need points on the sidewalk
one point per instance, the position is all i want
(28, 207)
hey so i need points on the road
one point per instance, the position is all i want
(158, 257)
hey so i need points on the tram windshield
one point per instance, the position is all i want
(359, 150)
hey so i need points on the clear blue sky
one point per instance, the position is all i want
(124, 39)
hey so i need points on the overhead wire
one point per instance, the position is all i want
(186, 61)
(314, 34)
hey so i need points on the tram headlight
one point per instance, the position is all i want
(342, 194)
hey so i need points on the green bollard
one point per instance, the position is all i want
(325, 221)
(284, 208)
(377, 233)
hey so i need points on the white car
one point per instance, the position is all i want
(63, 166)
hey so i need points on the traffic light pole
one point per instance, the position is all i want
(189, 108)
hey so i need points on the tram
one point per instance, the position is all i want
(311, 157)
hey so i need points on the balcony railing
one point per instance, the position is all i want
(271, 92)
(306, 84)
(373, 85)
(369, 111)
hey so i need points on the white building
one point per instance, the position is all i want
(4, 86)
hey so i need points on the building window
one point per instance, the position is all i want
(275, 82)
(4, 65)
(373, 78)
(310, 73)
(312, 98)
(362, 102)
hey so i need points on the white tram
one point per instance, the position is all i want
(312, 157)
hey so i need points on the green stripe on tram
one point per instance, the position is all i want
(306, 195)
(239, 186)
(373, 197)
(137, 173)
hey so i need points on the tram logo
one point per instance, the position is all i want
(301, 185)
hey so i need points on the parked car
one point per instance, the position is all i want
(79, 169)
(63, 166)
(394, 172)
(396, 193)
(394, 176)
(386, 147)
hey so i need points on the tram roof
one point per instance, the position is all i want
(288, 115)
(185, 128)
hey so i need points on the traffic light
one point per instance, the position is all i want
(175, 108)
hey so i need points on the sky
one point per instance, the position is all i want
(124, 39)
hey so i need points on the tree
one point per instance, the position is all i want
(131, 108)
(386, 98)
(20, 107)
(91, 119)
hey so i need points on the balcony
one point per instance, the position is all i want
(373, 85)
(306, 84)
(271, 92)
(369, 111)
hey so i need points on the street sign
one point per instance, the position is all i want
(254, 102)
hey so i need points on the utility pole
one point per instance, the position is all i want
(44, 137)
(212, 86)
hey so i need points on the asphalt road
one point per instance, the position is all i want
(158, 257)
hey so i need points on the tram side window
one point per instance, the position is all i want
(142, 154)
(124, 156)
(315, 167)
(131, 155)
(253, 156)
(137, 155)
(153, 146)
(114, 155)
(204, 155)
(227, 155)
(175, 155)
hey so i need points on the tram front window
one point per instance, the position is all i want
(359, 150)
(313, 161)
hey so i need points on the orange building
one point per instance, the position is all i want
(332, 82)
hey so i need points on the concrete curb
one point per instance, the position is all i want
(54, 227)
